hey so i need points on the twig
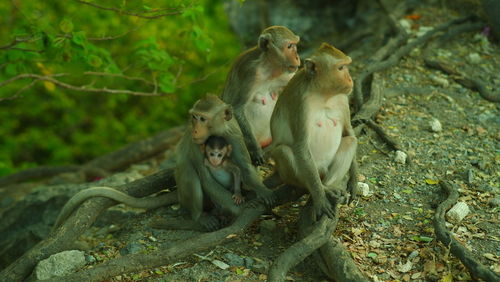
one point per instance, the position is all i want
(476, 269)
(139, 15)
(118, 75)
(115, 36)
(77, 88)
(16, 41)
(388, 140)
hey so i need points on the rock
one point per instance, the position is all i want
(441, 81)
(435, 125)
(470, 176)
(400, 157)
(474, 58)
(90, 259)
(363, 189)
(248, 262)
(458, 212)
(267, 225)
(60, 264)
(234, 259)
(131, 248)
(405, 24)
(495, 202)
(413, 254)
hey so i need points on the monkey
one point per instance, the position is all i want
(195, 184)
(211, 116)
(255, 81)
(314, 144)
(217, 152)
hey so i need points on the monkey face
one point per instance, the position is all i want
(342, 78)
(216, 156)
(199, 128)
(291, 56)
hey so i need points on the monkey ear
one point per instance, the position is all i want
(264, 41)
(229, 150)
(202, 148)
(310, 67)
(228, 112)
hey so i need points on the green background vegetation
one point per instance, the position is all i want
(186, 55)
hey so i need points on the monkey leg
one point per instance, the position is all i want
(273, 181)
(285, 165)
(342, 161)
(189, 190)
(219, 195)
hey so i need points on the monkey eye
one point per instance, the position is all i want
(203, 119)
(341, 68)
(290, 46)
(194, 116)
(212, 154)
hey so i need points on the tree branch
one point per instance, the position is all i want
(77, 88)
(143, 15)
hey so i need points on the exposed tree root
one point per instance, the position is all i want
(476, 269)
(100, 166)
(79, 222)
(388, 140)
(395, 57)
(465, 80)
(319, 234)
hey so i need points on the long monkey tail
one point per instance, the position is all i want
(111, 193)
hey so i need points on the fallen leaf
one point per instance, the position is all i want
(403, 268)
(431, 181)
(490, 257)
(447, 278)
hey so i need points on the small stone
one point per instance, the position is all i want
(495, 202)
(234, 259)
(60, 264)
(440, 81)
(413, 254)
(405, 24)
(267, 225)
(474, 58)
(458, 212)
(435, 125)
(90, 259)
(248, 262)
(470, 176)
(400, 157)
(363, 189)
(131, 248)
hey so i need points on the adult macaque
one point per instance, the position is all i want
(313, 140)
(211, 116)
(217, 152)
(254, 82)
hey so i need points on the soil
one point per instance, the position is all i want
(389, 230)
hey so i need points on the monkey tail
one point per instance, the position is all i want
(107, 192)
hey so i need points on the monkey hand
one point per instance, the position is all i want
(323, 207)
(257, 156)
(238, 199)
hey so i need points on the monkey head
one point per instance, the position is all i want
(328, 69)
(216, 150)
(208, 117)
(280, 44)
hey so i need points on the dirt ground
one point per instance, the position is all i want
(389, 230)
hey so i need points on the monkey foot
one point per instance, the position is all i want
(337, 196)
(238, 199)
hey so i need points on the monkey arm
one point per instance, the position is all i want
(235, 171)
(254, 148)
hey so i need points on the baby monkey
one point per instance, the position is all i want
(217, 153)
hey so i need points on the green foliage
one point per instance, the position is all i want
(181, 55)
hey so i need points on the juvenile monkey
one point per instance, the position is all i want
(313, 140)
(254, 82)
(217, 152)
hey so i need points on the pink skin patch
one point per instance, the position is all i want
(263, 100)
(319, 124)
(266, 143)
(334, 122)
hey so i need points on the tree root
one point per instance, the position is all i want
(395, 57)
(79, 222)
(100, 166)
(318, 236)
(464, 80)
(476, 269)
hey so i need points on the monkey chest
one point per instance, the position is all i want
(325, 135)
(224, 177)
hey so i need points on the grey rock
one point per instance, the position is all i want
(495, 202)
(234, 259)
(60, 264)
(131, 248)
(90, 259)
(249, 262)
